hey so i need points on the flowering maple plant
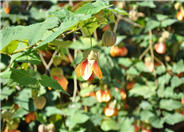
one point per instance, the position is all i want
(89, 67)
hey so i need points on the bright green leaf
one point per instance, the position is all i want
(169, 104)
(109, 124)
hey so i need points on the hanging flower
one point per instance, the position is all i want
(63, 82)
(30, 117)
(87, 68)
(103, 96)
(180, 15)
(57, 74)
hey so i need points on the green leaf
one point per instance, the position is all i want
(164, 79)
(160, 69)
(5, 76)
(96, 118)
(133, 71)
(52, 110)
(173, 118)
(76, 118)
(168, 130)
(20, 113)
(23, 77)
(72, 19)
(146, 115)
(92, 8)
(168, 92)
(145, 105)
(151, 24)
(14, 17)
(168, 22)
(149, 4)
(5, 92)
(89, 101)
(125, 61)
(32, 33)
(126, 124)
(29, 57)
(61, 43)
(119, 11)
(11, 47)
(156, 121)
(38, 14)
(169, 104)
(49, 82)
(23, 98)
(178, 67)
(145, 91)
(161, 17)
(109, 124)
(175, 81)
(141, 67)
(83, 43)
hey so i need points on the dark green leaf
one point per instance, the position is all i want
(151, 24)
(23, 77)
(29, 57)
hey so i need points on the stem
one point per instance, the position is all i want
(95, 35)
(70, 58)
(43, 61)
(131, 22)
(116, 23)
(151, 50)
(158, 61)
(47, 66)
(75, 77)
(151, 46)
(51, 60)
(70, 3)
(144, 53)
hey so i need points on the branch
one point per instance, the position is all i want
(144, 53)
(43, 60)
(51, 60)
(151, 46)
(116, 23)
(131, 22)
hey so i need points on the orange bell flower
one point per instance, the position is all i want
(30, 117)
(109, 112)
(103, 96)
(180, 15)
(87, 68)
(57, 74)
(63, 82)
